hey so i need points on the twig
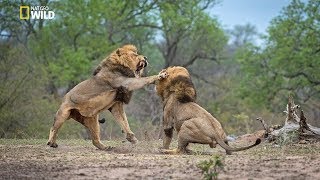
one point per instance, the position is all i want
(265, 126)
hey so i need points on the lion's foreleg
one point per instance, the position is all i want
(137, 83)
(121, 118)
(167, 137)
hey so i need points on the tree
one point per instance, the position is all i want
(289, 62)
(188, 33)
(243, 34)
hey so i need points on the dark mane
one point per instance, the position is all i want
(125, 71)
(123, 95)
(183, 88)
(116, 68)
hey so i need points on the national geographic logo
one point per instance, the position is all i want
(37, 12)
(24, 12)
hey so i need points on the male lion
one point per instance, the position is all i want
(109, 88)
(192, 123)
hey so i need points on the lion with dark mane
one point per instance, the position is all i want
(181, 113)
(109, 88)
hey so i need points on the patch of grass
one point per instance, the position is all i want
(287, 138)
(211, 168)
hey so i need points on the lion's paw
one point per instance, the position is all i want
(131, 138)
(162, 74)
(52, 144)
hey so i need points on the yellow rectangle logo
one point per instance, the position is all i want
(24, 12)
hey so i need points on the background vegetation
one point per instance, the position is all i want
(236, 79)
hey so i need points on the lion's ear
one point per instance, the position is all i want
(119, 51)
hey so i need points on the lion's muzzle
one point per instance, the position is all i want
(142, 64)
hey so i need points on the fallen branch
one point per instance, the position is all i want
(295, 129)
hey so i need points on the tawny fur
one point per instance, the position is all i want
(181, 113)
(109, 88)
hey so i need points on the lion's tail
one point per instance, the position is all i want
(229, 149)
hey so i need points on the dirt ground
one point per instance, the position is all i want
(78, 159)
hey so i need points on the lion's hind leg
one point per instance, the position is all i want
(192, 131)
(61, 116)
(93, 126)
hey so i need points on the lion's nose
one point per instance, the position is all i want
(145, 58)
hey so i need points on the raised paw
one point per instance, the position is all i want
(162, 74)
(52, 144)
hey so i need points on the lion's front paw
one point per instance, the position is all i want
(162, 74)
(131, 138)
(52, 144)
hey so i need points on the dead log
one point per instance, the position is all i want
(295, 128)
(305, 129)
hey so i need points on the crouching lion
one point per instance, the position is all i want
(192, 123)
(109, 88)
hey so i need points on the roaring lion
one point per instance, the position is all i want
(109, 88)
(192, 123)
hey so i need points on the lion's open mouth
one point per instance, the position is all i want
(140, 66)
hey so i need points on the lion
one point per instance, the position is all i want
(109, 88)
(192, 123)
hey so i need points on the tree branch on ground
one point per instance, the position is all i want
(295, 128)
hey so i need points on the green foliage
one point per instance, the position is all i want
(243, 34)
(289, 60)
(189, 34)
(211, 168)
(24, 104)
(71, 67)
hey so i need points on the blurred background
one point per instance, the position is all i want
(245, 57)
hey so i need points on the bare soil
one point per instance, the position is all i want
(78, 159)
